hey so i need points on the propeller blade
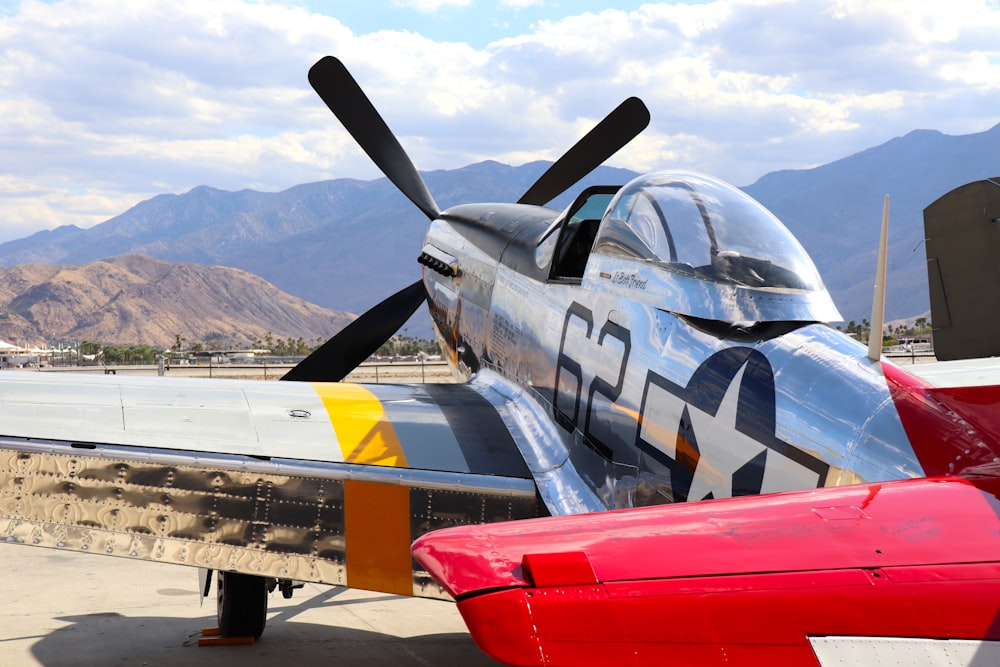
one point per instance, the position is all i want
(617, 129)
(331, 80)
(340, 355)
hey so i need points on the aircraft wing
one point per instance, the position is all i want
(907, 570)
(317, 482)
(959, 373)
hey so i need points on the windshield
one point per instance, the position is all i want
(699, 226)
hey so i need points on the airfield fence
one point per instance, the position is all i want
(377, 373)
(903, 358)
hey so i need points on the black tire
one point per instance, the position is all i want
(242, 604)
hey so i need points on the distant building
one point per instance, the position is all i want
(15, 356)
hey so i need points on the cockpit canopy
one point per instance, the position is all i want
(697, 226)
(693, 245)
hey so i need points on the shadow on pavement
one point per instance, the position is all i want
(113, 639)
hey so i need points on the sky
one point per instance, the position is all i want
(105, 103)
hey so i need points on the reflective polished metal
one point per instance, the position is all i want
(670, 349)
(328, 521)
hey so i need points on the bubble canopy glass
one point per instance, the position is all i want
(697, 226)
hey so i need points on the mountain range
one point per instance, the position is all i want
(342, 244)
(135, 299)
(345, 244)
(835, 210)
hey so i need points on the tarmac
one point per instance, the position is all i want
(66, 609)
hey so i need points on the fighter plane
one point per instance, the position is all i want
(657, 342)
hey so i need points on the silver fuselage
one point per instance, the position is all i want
(651, 406)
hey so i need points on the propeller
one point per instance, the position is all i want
(335, 85)
(608, 137)
(360, 339)
(336, 358)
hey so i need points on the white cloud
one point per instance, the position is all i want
(430, 6)
(104, 103)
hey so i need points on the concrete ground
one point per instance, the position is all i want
(63, 609)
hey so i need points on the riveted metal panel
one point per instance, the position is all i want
(270, 518)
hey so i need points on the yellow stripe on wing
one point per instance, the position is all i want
(364, 432)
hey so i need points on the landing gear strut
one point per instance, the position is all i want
(287, 587)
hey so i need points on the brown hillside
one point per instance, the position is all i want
(134, 299)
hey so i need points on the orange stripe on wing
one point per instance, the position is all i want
(377, 537)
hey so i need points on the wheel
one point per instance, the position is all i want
(242, 604)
